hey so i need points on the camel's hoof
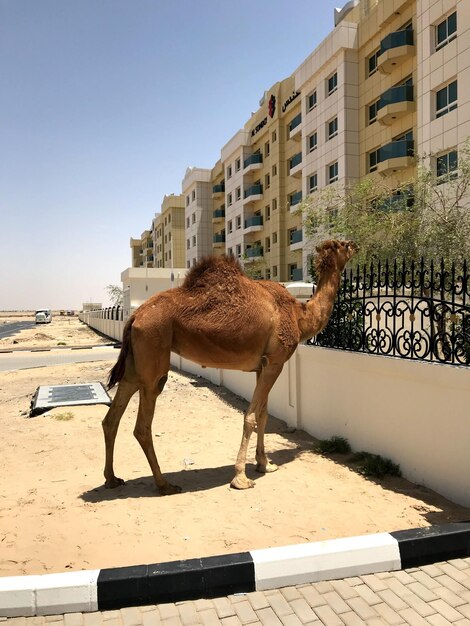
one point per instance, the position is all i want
(169, 490)
(114, 482)
(242, 482)
(266, 469)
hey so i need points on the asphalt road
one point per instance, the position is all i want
(11, 328)
(23, 359)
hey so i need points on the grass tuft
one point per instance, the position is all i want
(375, 465)
(63, 417)
(335, 445)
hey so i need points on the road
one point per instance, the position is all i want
(11, 328)
(23, 359)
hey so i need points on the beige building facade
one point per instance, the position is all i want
(390, 83)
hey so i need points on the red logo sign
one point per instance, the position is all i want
(271, 106)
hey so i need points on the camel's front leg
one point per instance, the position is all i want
(256, 415)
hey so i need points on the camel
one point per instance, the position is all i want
(219, 318)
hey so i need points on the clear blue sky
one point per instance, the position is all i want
(103, 106)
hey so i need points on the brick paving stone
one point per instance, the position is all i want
(258, 600)
(73, 619)
(391, 598)
(168, 610)
(117, 622)
(231, 621)
(174, 620)
(460, 563)
(412, 618)
(106, 615)
(203, 604)
(290, 593)
(312, 596)
(151, 618)
(279, 604)
(422, 592)
(291, 620)
(345, 590)
(351, 619)
(449, 596)
(327, 616)
(403, 576)
(398, 587)
(188, 614)
(303, 610)
(336, 602)
(376, 584)
(53, 618)
(376, 621)
(462, 622)
(449, 583)
(354, 580)
(238, 597)
(130, 616)
(323, 587)
(223, 607)
(420, 606)
(268, 617)
(95, 619)
(209, 617)
(368, 595)
(445, 610)
(438, 620)
(453, 572)
(388, 614)
(245, 612)
(362, 609)
(431, 570)
(14, 621)
(465, 610)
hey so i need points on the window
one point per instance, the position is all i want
(266, 149)
(230, 226)
(267, 181)
(311, 100)
(312, 183)
(332, 126)
(187, 222)
(187, 200)
(238, 222)
(274, 204)
(188, 244)
(267, 274)
(372, 112)
(446, 31)
(274, 237)
(312, 142)
(446, 166)
(229, 171)
(267, 213)
(229, 199)
(238, 193)
(193, 218)
(273, 136)
(274, 170)
(169, 219)
(238, 165)
(230, 252)
(238, 250)
(267, 244)
(193, 195)
(332, 172)
(446, 99)
(373, 160)
(274, 271)
(372, 62)
(332, 84)
(194, 240)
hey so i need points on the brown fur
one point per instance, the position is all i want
(218, 318)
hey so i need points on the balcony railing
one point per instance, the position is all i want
(254, 190)
(396, 150)
(219, 238)
(402, 93)
(218, 213)
(295, 122)
(295, 198)
(295, 237)
(396, 40)
(254, 252)
(220, 188)
(253, 159)
(296, 160)
(256, 220)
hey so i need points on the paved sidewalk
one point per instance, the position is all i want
(436, 594)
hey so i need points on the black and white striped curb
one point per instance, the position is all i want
(210, 577)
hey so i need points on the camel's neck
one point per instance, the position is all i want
(319, 307)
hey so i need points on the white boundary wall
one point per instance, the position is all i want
(416, 413)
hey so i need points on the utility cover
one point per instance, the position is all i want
(48, 397)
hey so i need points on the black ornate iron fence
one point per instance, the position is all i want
(408, 310)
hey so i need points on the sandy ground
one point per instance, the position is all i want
(56, 515)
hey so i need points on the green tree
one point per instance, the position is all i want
(115, 294)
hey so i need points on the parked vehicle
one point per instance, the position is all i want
(43, 316)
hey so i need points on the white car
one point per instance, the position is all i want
(43, 316)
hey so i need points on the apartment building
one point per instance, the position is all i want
(389, 83)
(142, 254)
(169, 233)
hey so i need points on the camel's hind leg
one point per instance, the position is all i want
(110, 424)
(256, 415)
(143, 432)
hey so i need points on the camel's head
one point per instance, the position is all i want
(333, 255)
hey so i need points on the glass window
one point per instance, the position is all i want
(238, 193)
(373, 108)
(446, 164)
(238, 223)
(229, 199)
(312, 142)
(312, 183)
(237, 165)
(332, 84)
(446, 30)
(333, 172)
(446, 99)
(372, 62)
(332, 128)
(373, 160)
(312, 100)
(229, 171)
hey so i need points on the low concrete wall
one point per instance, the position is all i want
(413, 412)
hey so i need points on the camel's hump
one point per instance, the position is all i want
(212, 268)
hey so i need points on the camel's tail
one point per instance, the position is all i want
(117, 372)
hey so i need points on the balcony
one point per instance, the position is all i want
(254, 254)
(395, 103)
(218, 215)
(295, 241)
(253, 193)
(295, 165)
(394, 49)
(218, 190)
(253, 224)
(295, 130)
(218, 240)
(252, 163)
(396, 155)
(294, 201)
